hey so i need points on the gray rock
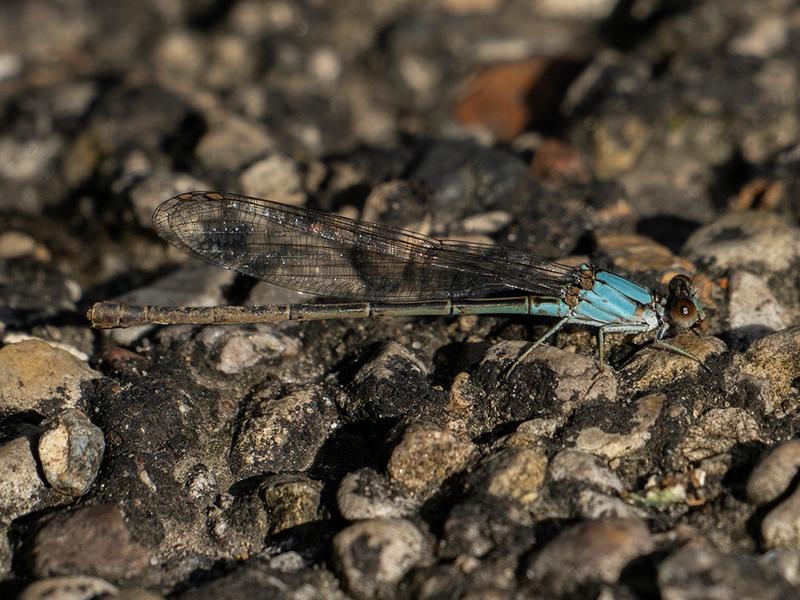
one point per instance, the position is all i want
(617, 445)
(482, 524)
(757, 241)
(514, 474)
(92, 540)
(255, 580)
(426, 456)
(770, 369)
(595, 505)
(232, 143)
(571, 465)
(781, 527)
(70, 587)
(774, 473)
(282, 433)
(159, 186)
(367, 494)
(698, 571)
(290, 500)
(239, 524)
(276, 178)
(21, 490)
(46, 379)
(753, 310)
(70, 451)
(592, 551)
(374, 555)
(239, 348)
(717, 431)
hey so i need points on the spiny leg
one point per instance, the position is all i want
(536, 344)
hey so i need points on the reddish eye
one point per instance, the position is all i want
(683, 313)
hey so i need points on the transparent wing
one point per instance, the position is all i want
(330, 255)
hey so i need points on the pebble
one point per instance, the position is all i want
(91, 540)
(699, 571)
(484, 523)
(232, 143)
(21, 489)
(393, 384)
(14, 244)
(558, 162)
(770, 370)
(573, 465)
(70, 451)
(617, 445)
(367, 494)
(71, 587)
(756, 241)
(718, 431)
(47, 379)
(276, 177)
(149, 193)
(639, 254)
(774, 473)
(282, 433)
(194, 285)
(753, 310)
(488, 222)
(514, 474)
(239, 348)
(567, 380)
(781, 526)
(426, 457)
(239, 524)
(596, 505)
(374, 555)
(290, 500)
(592, 551)
(654, 367)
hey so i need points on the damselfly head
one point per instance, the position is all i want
(684, 309)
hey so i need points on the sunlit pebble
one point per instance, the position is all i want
(10, 66)
(325, 65)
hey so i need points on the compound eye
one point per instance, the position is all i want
(683, 312)
(680, 285)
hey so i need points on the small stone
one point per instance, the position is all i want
(255, 580)
(756, 241)
(488, 222)
(239, 348)
(374, 555)
(74, 587)
(753, 310)
(393, 384)
(482, 524)
(655, 367)
(771, 370)
(426, 456)
(638, 253)
(592, 551)
(765, 36)
(239, 524)
(70, 451)
(14, 244)
(470, 7)
(773, 475)
(565, 379)
(232, 143)
(699, 571)
(497, 99)
(618, 445)
(277, 178)
(147, 195)
(718, 431)
(282, 433)
(290, 500)
(46, 379)
(93, 540)
(571, 465)
(367, 494)
(781, 527)
(558, 162)
(21, 490)
(515, 474)
(595, 505)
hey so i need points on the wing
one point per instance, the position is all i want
(329, 255)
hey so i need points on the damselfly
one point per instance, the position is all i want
(392, 272)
